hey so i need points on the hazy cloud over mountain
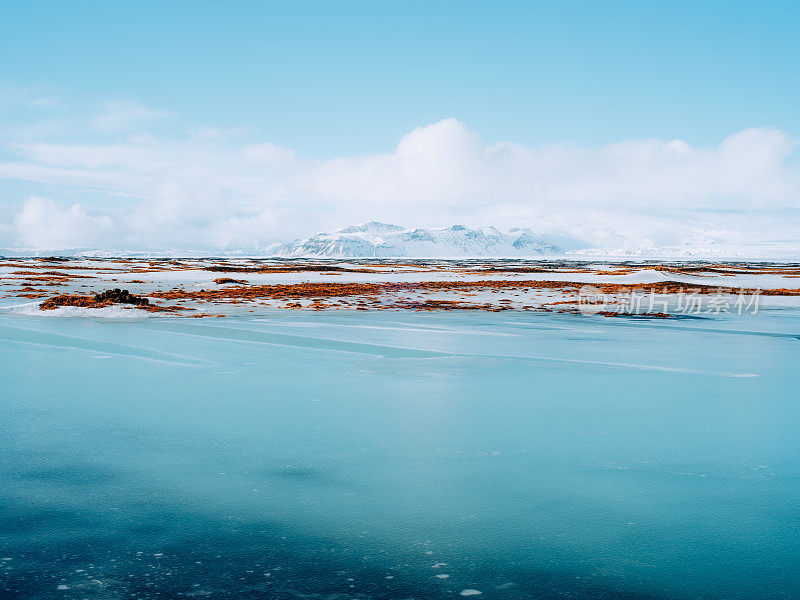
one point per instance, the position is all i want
(122, 178)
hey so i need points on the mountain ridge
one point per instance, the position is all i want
(375, 239)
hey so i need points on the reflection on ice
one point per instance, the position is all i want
(329, 455)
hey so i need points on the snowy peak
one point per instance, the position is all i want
(375, 239)
(372, 227)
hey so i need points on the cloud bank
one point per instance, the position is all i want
(212, 189)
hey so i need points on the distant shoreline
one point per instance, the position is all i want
(225, 287)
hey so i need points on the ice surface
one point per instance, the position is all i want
(366, 454)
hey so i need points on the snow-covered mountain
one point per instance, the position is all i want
(376, 239)
(381, 240)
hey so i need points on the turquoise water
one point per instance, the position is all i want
(338, 455)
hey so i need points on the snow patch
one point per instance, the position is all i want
(106, 312)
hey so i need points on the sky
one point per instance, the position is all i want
(228, 125)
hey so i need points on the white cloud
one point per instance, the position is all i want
(268, 154)
(42, 224)
(121, 115)
(218, 133)
(445, 161)
(45, 102)
(214, 189)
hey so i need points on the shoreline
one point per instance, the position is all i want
(217, 287)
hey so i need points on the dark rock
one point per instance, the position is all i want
(122, 297)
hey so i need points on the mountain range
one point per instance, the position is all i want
(375, 239)
(383, 240)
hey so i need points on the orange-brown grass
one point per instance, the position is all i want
(327, 290)
(73, 300)
(97, 301)
(653, 315)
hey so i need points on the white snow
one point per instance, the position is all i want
(107, 312)
(376, 239)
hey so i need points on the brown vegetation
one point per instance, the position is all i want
(107, 298)
(655, 315)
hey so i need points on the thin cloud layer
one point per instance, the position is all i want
(117, 116)
(218, 189)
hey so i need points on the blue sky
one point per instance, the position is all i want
(338, 77)
(331, 80)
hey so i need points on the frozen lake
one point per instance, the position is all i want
(400, 455)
